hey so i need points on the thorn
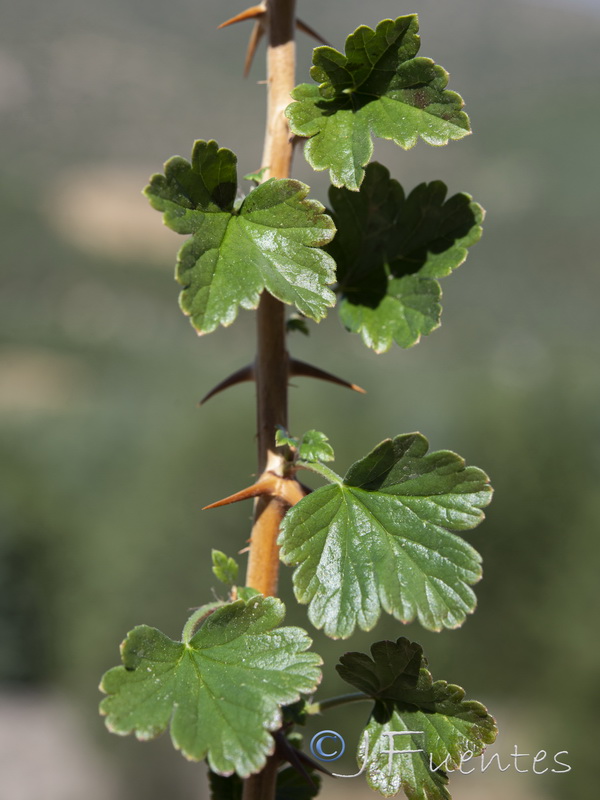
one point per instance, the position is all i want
(255, 37)
(286, 489)
(242, 375)
(308, 760)
(254, 12)
(262, 486)
(301, 368)
(297, 369)
(302, 26)
(286, 752)
(296, 758)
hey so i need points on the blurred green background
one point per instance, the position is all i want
(106, 460)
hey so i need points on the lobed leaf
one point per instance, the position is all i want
(383, 538)
(419, 729)
(390, 249)
(272, 241)
(378, 88)
(221, 692)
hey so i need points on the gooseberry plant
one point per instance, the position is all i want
(385, 537)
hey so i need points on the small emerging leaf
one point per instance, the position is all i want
(225, 569)
(257, 176)
(283, 439)
(383, 539)
(412, 713)
(221, 692)
(315, 446)
(312, 447)
(390, 249)
(272, 241)
(379, 87)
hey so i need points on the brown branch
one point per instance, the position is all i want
(281, 65)
(272, 365)
(272, 359)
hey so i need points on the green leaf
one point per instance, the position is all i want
(272, 241)
(221, 692)
(382, 538)
(312, 447)
(443, 725)
(390, 249)
(379, 87)
(283, 439)
(225, 569)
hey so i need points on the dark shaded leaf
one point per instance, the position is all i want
(413, 713)
(390, 249)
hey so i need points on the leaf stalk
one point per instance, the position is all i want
(322, 470)
(333, 702)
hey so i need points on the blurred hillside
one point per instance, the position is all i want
(105, 458)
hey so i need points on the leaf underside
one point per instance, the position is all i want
(220, 693)
(381, 88)
(272, 241)
(383, 538)
(412, 712)
(391, 248)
